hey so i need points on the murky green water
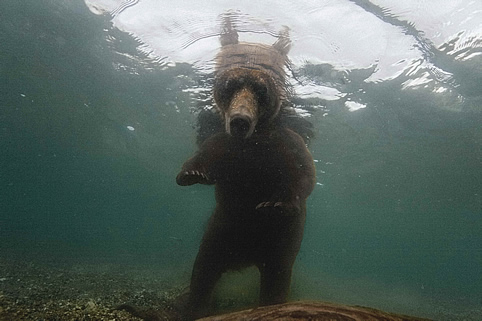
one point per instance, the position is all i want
(91, 141)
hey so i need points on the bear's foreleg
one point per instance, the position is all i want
(201, 168)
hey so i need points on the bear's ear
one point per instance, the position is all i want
(229, 35)
(283, 44)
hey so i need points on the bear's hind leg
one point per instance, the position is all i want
(275, 283)
(207, 270)
(281, 246)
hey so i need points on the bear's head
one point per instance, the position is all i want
(246, 97)
(250, 86)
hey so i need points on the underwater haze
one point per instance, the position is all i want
(98, 107)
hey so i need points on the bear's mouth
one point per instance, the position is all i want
(240, 126)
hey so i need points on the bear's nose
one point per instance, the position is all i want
(240, 126)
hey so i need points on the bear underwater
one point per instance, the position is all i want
(261, 169)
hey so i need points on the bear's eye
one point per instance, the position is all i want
(261, 92)
(230, 87)
(231, 84)
(260, 89)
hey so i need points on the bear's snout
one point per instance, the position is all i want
(242, 115)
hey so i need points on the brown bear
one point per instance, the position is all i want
(262, 172)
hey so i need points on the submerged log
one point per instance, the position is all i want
(319, 311)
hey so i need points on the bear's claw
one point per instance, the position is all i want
(269, 204)
(196, 173)
(192, 177)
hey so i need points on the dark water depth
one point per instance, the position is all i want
(92, 135)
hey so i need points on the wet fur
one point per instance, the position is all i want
(262, 178)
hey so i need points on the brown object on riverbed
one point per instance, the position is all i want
(316, 311)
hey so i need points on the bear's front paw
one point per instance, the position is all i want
(186, 178)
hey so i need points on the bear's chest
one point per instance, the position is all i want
(255, 166)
